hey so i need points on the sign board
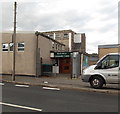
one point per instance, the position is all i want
(62, 54)
(52, 54)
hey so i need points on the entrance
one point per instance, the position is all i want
(64, 64)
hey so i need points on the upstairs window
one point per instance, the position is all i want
(5, 47)
(66, 35)
(57, 36)
(56, 46)
(21, 46)
(53, 45)
(51, 36)
(11, 46)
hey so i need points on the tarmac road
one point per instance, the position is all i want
(20, 98)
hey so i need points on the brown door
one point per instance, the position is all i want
(64, 65)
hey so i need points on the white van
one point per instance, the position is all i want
(106, 71)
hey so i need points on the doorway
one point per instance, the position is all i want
(64, 64)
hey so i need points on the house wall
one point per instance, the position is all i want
(92, 59)
(25, 61)
(66, 41)
(83, 43)
(45, 46)
(61, 38)
(104, 51)
(0, 53)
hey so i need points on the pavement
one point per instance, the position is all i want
(60, 81)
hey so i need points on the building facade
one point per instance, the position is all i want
(105, 49)
(42, 53)
(72, 40)
(32, 50)
(92, 59)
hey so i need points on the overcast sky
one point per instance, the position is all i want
(98, 19)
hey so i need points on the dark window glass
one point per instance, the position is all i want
(21, 46)
(11, 46)
(66, 68)
(4, 47)
(51, 36)
(66, 35)
(110, 61)
(57, 36)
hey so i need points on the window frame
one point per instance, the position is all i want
(51, 36)
(106, 61)
(66, 35)
(5, 48)
(10, 46)
(20, 47)
(57, 36)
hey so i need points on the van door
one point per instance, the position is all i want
(109, 67)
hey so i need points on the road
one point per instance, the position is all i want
(20, 98)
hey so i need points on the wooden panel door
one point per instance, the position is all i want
(64, 65)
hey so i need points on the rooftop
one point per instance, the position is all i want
(109, 46)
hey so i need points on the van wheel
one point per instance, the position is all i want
(96, 82)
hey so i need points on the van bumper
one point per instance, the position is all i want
(85, 78)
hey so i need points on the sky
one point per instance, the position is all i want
(98, 19)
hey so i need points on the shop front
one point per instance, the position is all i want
(63, 61)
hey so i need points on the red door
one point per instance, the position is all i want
(64, 65)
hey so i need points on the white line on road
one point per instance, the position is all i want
(18, 106)
(51, 88)
(46, 82)
(21, 85)
(2, 84)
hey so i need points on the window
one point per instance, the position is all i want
(66, 67)
(5, 47)
(56, 46)
(57, 36)
(66, 36)
(111, 61)
(21, 46)
(11, 46)
(51, 36)
(52, 45)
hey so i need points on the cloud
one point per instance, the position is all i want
(96, 18)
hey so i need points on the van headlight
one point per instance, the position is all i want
(84, 71)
